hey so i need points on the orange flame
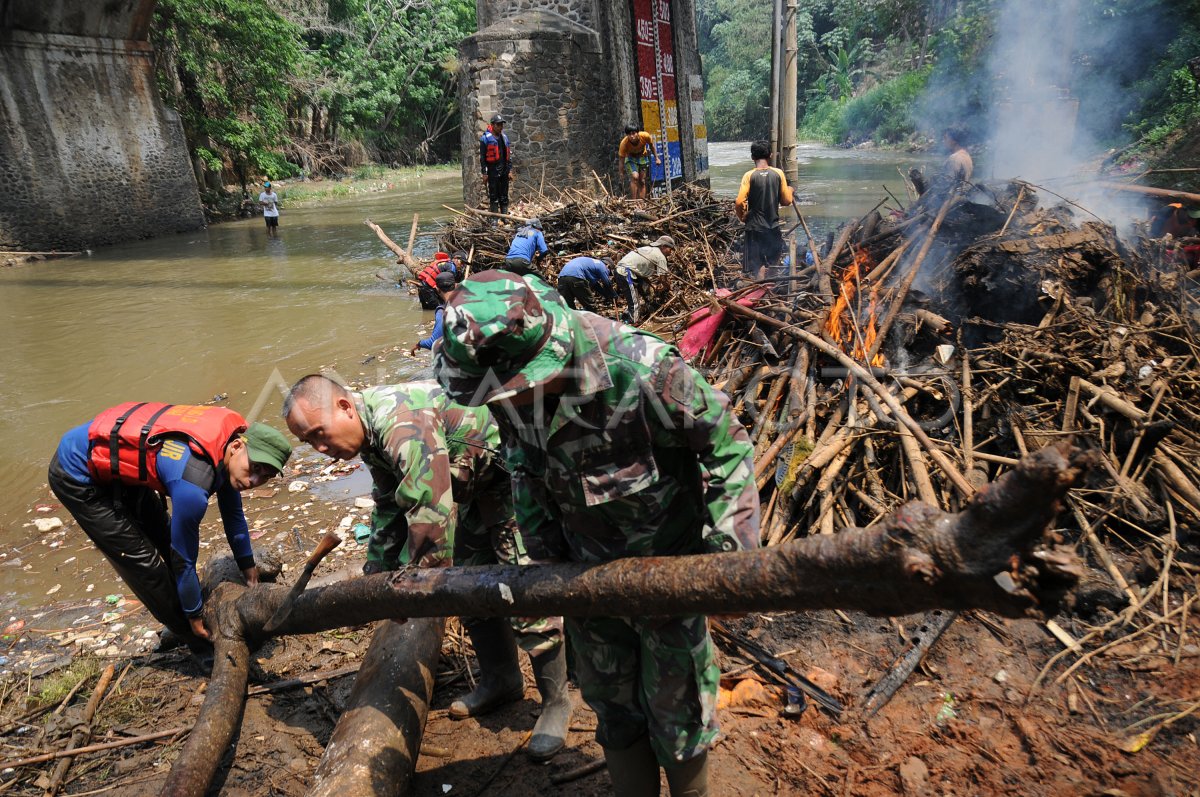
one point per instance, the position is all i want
(841, 325)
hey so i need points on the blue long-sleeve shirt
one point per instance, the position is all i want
(189, 502)
(588, 268)
(526, 242)
(439, 318)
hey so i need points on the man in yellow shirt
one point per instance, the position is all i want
(764, 188)
(634, 153)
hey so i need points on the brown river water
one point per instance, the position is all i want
(184, 318)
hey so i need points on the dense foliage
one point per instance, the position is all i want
(895, 71)
(289, 86)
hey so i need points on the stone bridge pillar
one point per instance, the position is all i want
(89, 155)
(569, 75)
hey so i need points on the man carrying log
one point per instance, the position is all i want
(638, 269)
(763, 189)
(113, 473)
(616, 449)
(428, 457)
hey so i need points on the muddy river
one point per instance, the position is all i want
(225, 311)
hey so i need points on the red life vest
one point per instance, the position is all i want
(124, 441)
(429, 274)
(492, 150)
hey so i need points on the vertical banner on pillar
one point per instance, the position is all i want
(656, 84)
(699, 130)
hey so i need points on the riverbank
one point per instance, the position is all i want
(371, 178)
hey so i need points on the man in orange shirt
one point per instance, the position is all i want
(764, 188)
(634, 153)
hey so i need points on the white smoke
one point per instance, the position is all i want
(1033, 125)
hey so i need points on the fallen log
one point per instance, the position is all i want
(224, 701)
(374, 746)
(993, 555)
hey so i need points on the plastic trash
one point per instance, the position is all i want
(362, 532)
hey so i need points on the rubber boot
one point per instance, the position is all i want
(634, 770)
(550, 732)
(689, 779)
(500, 679)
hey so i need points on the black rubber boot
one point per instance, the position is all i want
(689, 779)
(500, 679)
(634, 770)
(550, 732)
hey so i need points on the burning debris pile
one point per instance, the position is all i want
(921, 358)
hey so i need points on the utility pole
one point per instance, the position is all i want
(787, 107)
(776, 76)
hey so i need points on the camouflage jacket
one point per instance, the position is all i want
(640, 456)
(424, 454)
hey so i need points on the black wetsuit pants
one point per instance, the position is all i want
(497, 189)
(133, 531)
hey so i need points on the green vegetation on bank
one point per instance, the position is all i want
(896, 71)
(315, 87)
(371, 178)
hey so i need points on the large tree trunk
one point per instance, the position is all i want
(991, 556)
(996, 555)
(374, 747)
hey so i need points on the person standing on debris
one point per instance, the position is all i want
(527, 249)
(637, 269)
(113, 472)
(616, 448)
(495, 161)
(958, 166)
(763, 189)
(268, 200)
(1175, 220)
(427, 290)
(634, 153)
(445, 283)
(580, 277)
(428, 456)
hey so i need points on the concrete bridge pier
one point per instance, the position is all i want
(89, 155)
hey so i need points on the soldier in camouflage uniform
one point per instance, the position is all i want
(617, 448)
(441, 492)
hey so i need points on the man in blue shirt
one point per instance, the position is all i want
(114, 472)
(580, 277)
(446, 283)
(527, 249)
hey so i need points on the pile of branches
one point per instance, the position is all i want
(925, 352)
(576, 223)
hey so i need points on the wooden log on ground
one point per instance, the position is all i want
(224, 701)
(374, 746)
(991, 556)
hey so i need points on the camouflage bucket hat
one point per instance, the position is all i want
(504, 334)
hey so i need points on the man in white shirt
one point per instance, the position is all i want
(268, 200)
(637, 269)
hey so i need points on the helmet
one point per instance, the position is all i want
(535, 223)
(497, 119)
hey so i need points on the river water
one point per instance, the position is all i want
(184, 318)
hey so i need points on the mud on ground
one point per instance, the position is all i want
(969, 721)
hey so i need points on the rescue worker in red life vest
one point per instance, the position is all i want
(114, 472)
(427, 291)
(495, 160)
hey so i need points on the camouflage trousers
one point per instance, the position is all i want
(487, 535)
(648, 675)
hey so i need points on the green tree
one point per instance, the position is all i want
(223, 65)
